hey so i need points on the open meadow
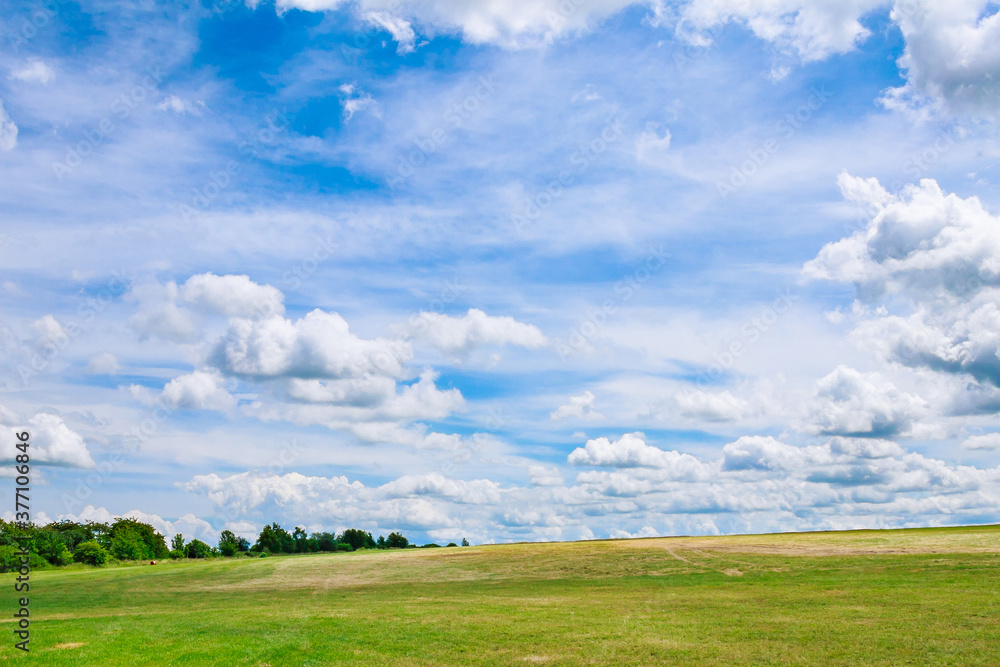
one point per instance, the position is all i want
(906, 597)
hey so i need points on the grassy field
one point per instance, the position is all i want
(908, 597)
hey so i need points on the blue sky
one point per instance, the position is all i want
(530, 271)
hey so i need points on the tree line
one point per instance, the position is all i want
(93, 543)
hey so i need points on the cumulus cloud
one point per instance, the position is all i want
(920, 239)
(317, 346)
(760, 483)
(545, 476)
(862, 405)
(35, 70)
(934, 258)
(474, 329)
(232, 296)
(990, 441)
(8, 130)
(198, 390)
(159, 315)
(631, 451)
(371, 408)
(52, 441)
(951, 59)
(581, 407)
(104, 363)
(720, 406)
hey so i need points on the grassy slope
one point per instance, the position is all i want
(913, 597)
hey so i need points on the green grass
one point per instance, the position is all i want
(909, 597)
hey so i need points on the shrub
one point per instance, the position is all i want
(9, 560)
(91, 553)
(451, 544)
(177, 553)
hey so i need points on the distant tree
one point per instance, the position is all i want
(396, 541)
(301, 540)
(358, 539)
(134, 540)
(325, 541)
(177, 543)
(465, 542)
(198, 549)
(228, 543)
(242, 545)
(275, 539)
(381, 543)
(91, 553)
(451, 544)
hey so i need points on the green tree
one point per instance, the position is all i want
(177, 543)
(465, 542)
(91, 553)
(396, 541)
(274, 539)
(228, 543)
(358, 539)
(301, 540)
(198, 549)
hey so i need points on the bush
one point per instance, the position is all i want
(263, 554)
(177, 553)
(451, 544)
(91, 553)
(63, 556)
(9, 560)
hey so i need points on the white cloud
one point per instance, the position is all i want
(474, 329)
(651, 144)
(631, 450)
(8, 130)
(759, 484)
(233, 296)
(511, 24)
(920, 239)
(581, 407)
(862, 404)
(198, 391)
(951, 59)
(36, 70)
(810, 29)
(47, 331)
(51, 443)
(400, 29)
(159, 314)
(720, 406)
(104, 363)
(545, 476)
(176, 105)
(356, 100)
(987, 441)
(317, 346)
(937, 254)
